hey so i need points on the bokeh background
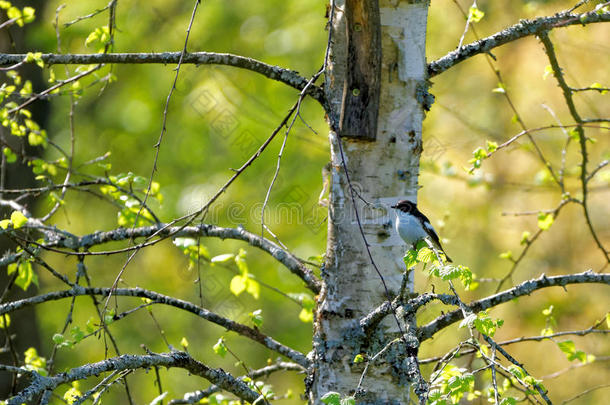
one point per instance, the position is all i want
(218, 117)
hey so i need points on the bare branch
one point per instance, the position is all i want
(243, 330)
(286, 76)
(203, 230)
(195, 397)
(525, 288)
(523, 29)
(522, 339)
(582, 139)
(585, 392)
(370, 321)
(132, 362)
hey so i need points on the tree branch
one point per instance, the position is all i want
(183, 360)
(523, 29)
(203, 230)
(195, 397)
(286, 76)
(243, 330)
(370, 321)
(526, 288)
(582, 139)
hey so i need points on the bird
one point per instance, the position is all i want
(413, 226)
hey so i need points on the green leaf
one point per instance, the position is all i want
(525, 237)
(240, 261)
(238, 284)
(517, 372)
(474, 14)
(34, 362)
(109, 316)
(257, 317)
(359, 358)
(599, 86)
(508, 255)
(467, 278)
(449, 271)
(253, 288)
(4, 224)
(77, 334)
(10, 155)
(223, 258)
(5, 321)
(319, 259)
(91, 327)
(548, 311)
(425, 255)
(548, 70)
(25, 275)
(545, 221)
(220, 348)
(410, 259)
(348, 401)
(184, 242)
(508, 401)
(331, 398)
(542, 177)
(29, 14)
(37, 139)
(306, 315)
(485, 324)
(58, 339)
(26, 90)
(184, 343)
(14, 12)
(73, 394)
(479, 153)
(567, 346)
(18, 219)
(468, 321)
(583, 18)
(574, 134)
(491, 146)
(93, 36)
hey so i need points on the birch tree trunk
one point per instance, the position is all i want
(381, 172)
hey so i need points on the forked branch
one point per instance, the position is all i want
(525, 288)
(520, 30)
(183, 360)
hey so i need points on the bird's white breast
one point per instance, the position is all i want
(409, 228)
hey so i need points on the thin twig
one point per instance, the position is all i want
(567, 95)
(157, 146)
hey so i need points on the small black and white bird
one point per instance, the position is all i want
(413, 226)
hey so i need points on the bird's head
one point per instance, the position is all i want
(405, 206)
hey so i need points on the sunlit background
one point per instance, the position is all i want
(218, 117)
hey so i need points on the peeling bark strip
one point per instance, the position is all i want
(360, 105)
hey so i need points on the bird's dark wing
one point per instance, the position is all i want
(426, 224)
(432, 232)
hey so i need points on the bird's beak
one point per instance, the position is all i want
(392, 206)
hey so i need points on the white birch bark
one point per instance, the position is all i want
(382, 172)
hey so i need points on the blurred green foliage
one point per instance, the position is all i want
(218, 116)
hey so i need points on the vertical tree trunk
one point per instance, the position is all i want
(381, 171)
